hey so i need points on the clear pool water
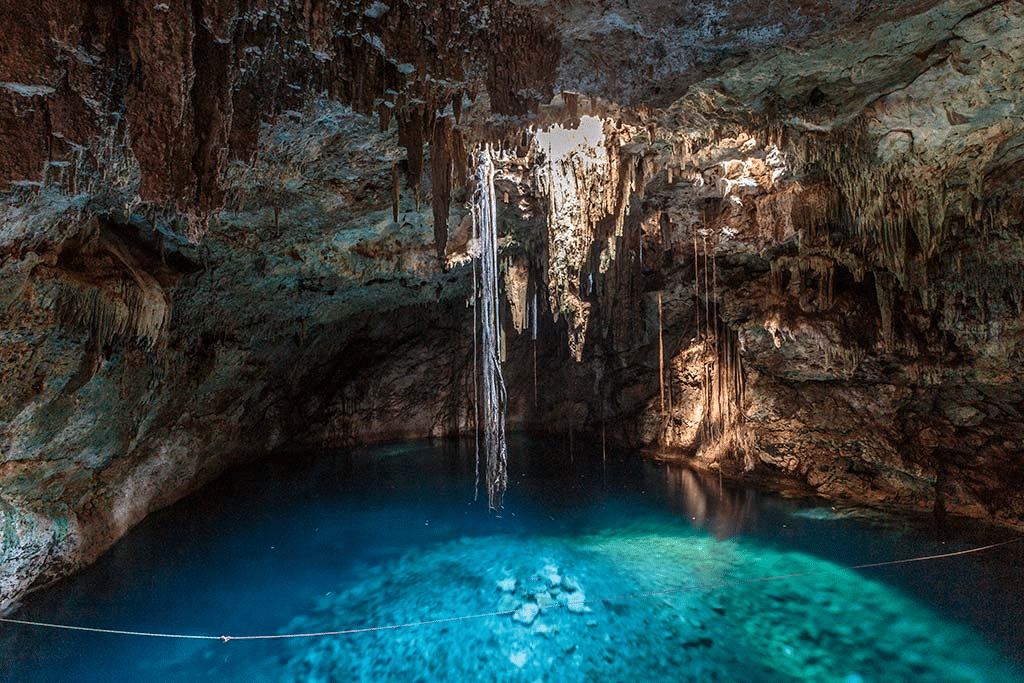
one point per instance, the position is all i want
(597, 569)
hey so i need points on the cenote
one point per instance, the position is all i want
(596, 568)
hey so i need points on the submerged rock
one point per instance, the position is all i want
(550, 574)
(508, 603)
(519, 658)
(545, 600)
(577, 602)
(527, 613)
(570, 584)
(507, 585)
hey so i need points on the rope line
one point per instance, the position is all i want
(111, 631)
(391, 627)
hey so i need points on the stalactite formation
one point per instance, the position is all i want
(521, 55)
(722, 434)
(485, 223)
(584, 180)
(812, 276)
(196, 98)
(441, 176)
(877, 176)
(105, 290)
(885, 287)
(411, 135)
(516, 276)
(117, 309)
(396, 193)
(894, 216)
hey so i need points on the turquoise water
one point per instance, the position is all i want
(609, 569)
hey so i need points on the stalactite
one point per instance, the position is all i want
(775, 277)
(524, 56)
(460, 159)
(779, 214)
(824, 268)
(410, 136)
(117, 308)
(124, 301)
(457, 106)
(441, 181)
(572, 105)
(696, 282)
(517, 284)
(898, 214)
(626, 184)
(722, 432)
(585, 182)
(396, 192)
(820, 269)
(885, 290)
(486, 226)
(661, 356)
(384, 116)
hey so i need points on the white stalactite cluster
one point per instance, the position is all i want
(580, 175)
(492, 412)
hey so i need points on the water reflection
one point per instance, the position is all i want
(703, 499)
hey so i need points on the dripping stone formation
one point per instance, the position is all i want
(736, 240)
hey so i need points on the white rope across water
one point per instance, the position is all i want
(391, 627)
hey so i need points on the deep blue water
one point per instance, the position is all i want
(684, 579)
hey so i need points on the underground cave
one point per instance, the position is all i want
(512, 340)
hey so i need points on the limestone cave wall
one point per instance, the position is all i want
(778, 240)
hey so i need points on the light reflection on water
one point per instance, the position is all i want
(672, 564)
(703, 499)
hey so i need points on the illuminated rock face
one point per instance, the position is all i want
(224, 225)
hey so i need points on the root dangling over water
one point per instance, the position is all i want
(485, 225)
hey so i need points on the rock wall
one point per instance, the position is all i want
(137, 365)
(789, 249)
(882, 367)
